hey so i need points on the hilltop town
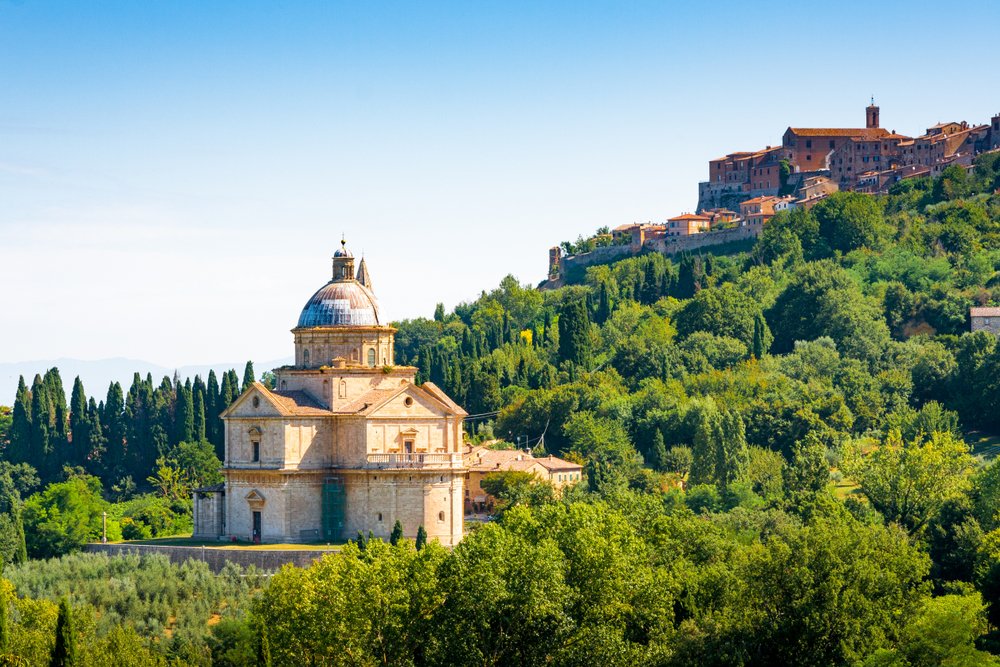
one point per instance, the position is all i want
(745, 189)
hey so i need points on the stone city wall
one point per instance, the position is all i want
(572, 267)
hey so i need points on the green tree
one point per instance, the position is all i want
(823, 300)
(64, 517)
(760, 345)
(850, 220)
(708, 434)
(808, 472)
(723, 311)
(421, 537)
(248, 376)
(64, 653)
(908, 482)
(397, 533)
(19, 446)
(79, 424)
(505, 601)
(574, 333)
(263, 647)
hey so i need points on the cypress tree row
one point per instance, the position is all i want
(123, 435)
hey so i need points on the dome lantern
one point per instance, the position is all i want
(343, 263)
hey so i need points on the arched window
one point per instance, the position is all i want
(380, 517)
(440, 516)
(305, 357)
(371, 357)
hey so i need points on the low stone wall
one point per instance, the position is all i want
(572, 266)
(677, 244)
(217, 558)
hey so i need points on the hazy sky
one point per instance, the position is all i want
(174, 176)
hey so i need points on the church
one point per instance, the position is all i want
(346, 441)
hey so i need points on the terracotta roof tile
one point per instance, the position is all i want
(297, 403)
(871, 132)
(689, 216)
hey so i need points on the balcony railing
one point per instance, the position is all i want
(419, 460)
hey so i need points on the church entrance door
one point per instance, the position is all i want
(256, 527)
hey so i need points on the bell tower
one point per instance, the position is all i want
(871, 115)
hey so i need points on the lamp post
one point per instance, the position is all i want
(104, 527)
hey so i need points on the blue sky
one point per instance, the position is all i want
(175, 175)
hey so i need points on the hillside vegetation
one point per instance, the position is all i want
(777, 471)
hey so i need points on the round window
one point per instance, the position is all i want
(407, 401)
(256, 401)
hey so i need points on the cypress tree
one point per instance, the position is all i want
(20, 428)
(397, 533)
(707, 436)
(58, 412)
(184, 416)
(199, 416)
(467, 346)
(115, 431)
(263, 646)
(248, 377)
(574, 333)
(95, 435)
(603, 305)
(758, 336)
(732, 455)
(213, 427)
(64, 652)
(421, 537)
(658, 451)
(650, 291)
(79, 420)
(4, 626)
(234, 382)
(39, 441)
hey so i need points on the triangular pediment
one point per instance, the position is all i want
(410, 401)
(255, 496)
(247, 406)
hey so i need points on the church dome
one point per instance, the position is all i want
(341, 303)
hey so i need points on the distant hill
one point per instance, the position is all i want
(98, 374)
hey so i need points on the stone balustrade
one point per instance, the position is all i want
(417, 460)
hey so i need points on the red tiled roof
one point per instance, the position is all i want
(689, 216)
(758, 200)
(987, 311)
(871, 132)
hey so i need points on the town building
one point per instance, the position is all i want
(345, 440)
(481, 461)
(688, 224)
(865, 159)
(758, 211)
(985, 319)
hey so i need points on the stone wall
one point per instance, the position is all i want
(217, 558)
(576, 264)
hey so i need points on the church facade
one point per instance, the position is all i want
(346, 441)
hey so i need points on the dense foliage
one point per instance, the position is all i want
(775, 446)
